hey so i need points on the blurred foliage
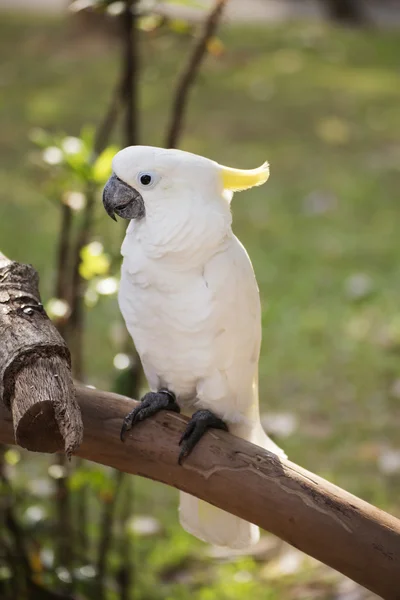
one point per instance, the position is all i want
(141, 7)
(74, 170)
(72, 159)
(322, 105)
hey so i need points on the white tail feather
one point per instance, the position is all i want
(215, 526)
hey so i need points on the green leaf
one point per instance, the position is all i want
(76, 156)
(93, 261)
(102, 167)
(149, 23)
(179, 26)
(97, 478)
(87, 136)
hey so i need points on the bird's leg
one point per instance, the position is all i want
(199, 423)
(150, 404)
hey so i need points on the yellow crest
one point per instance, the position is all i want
(237, 180)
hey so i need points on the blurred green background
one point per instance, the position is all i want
(321, 103)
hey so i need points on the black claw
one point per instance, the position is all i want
(199, 423)
(150, 404)
(190, 427)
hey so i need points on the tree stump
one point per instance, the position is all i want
(35, 367)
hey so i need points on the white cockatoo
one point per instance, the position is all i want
(190, 301)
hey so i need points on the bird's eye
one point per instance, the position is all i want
(147, 179)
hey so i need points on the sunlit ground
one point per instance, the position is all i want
(322, 105)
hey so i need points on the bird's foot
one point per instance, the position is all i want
(199, 423)
(150, 404)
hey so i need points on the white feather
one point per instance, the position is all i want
(190, 301)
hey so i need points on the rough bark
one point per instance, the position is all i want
(306, 511)
(35, 378)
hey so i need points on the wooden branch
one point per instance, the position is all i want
(75, 328)
(306, 511)
(35, 378)
(106, 126)
(64, 242)
(313, 515)
(130, 61)
(190, 72)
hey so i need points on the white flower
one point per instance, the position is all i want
(290, 562)
(143, 525)
(34, 514)
(72, 145)
(57, 308)
(243, 576)
(47, 557)
(79, 5)
(63, 574)
(389, 461)
(95, 248)
(57, 471)
(86, 572)
(75, 200)
(121, 361)
(116, 8)
(107, 286)
(358, 286)
(52, 155)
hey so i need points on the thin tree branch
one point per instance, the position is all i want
(125, 95)
(125, 575)
(124, 98)
(126, 89)
(75, 338)
(306, 511)
(106, 528)
(75, 323)
(130, 89)
(189, 74)
(64, 548)
(62, 283)
(104, 129)
(23, 576)
(18, 556)
(130, 62)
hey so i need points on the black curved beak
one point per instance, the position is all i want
(121, 199)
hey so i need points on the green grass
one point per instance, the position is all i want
(322, 106)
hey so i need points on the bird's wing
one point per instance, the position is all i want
(230, 278)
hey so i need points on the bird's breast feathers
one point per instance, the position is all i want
(198, 331)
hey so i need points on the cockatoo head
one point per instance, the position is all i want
(150, 182)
